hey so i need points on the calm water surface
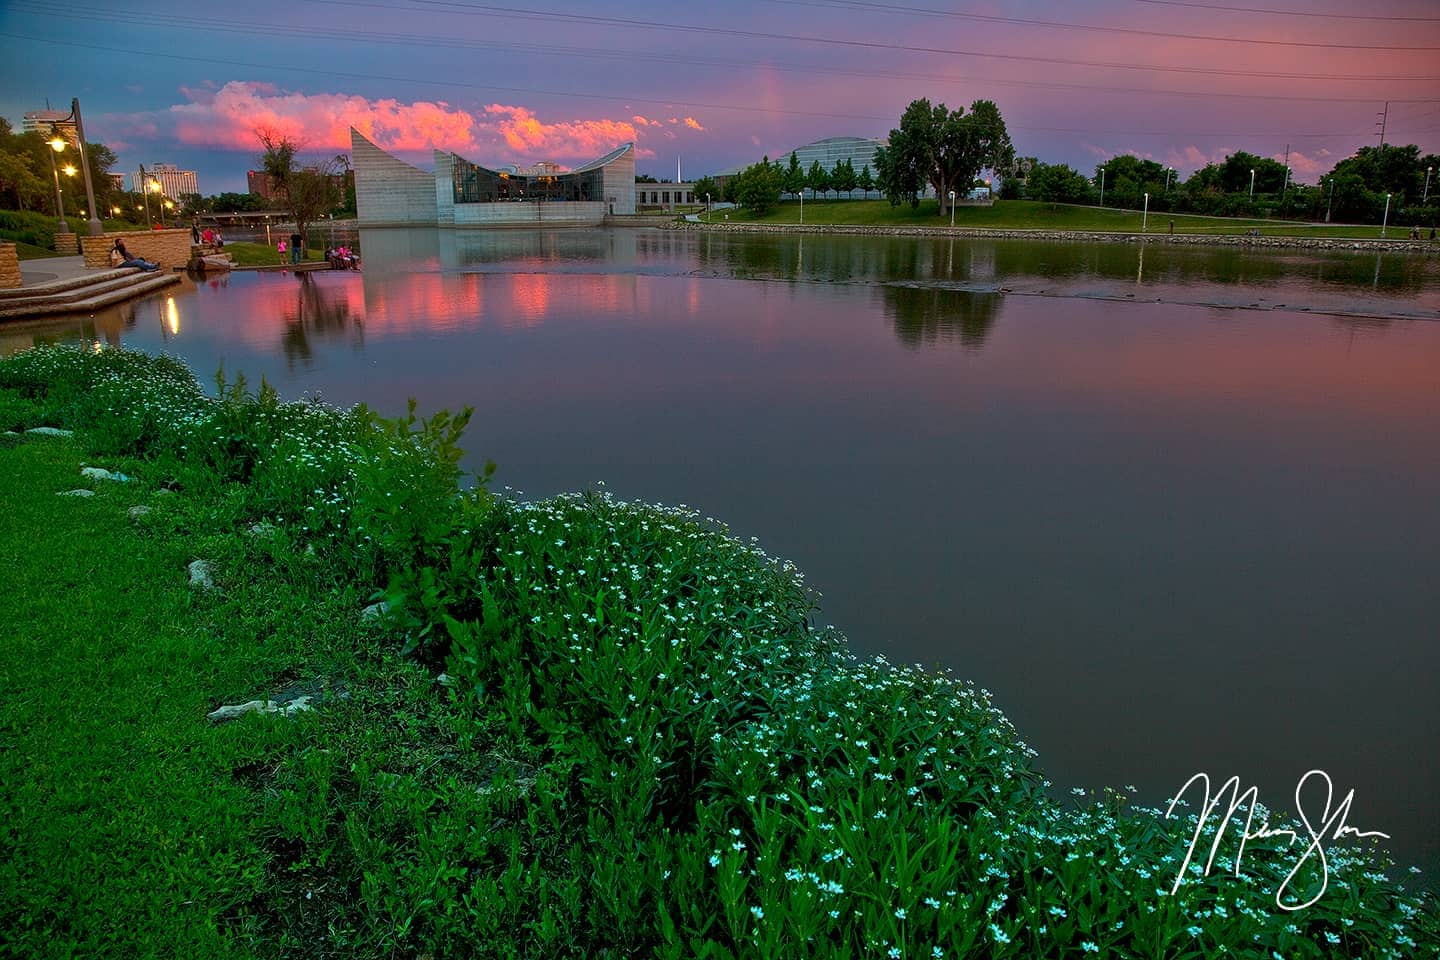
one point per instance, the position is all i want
(1179, 510)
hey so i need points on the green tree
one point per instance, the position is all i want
(1057, 183)
(843, 177)
(20, 185)
(1399, 171)
(945, 148)
(757, 187)
(866, 180)
(817, 179)
(704, 186)
(794, 176)
(310, 192)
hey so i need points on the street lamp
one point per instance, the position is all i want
(1145, 217)
(1168, 172)
(1252, 183)
(1386, 222)
(57, 143)
(154, 187)
(1331, 202)
(708, 215)
(1428, 171)
(952, 209)
(1102, 186)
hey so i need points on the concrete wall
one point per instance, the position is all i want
(444, 188)
(620, 184)
(9, 266)
(527, 214)
(389, 191)
(169, 248)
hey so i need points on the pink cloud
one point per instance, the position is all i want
(693, 124)
(526, 135)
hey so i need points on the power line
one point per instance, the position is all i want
(210, 24)
(749, 107)
(475, 9)
(1057, 24)
(1308, 14)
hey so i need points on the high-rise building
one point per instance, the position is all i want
(43, 121)
(173, 181)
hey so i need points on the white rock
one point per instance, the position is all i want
(51, 432)
(138, 511)
(99, 473)
(233, 710)
(200, 575)
(264, 530)
(76, 493)
(375, 610)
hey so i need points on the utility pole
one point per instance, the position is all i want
(1384, 116)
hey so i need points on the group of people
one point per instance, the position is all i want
(208, 235)
(342, 258)
(295, 246)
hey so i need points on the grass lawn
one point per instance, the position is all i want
(28, 251)
(248, 254)
(1030, 215)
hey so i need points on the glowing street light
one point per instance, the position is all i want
(1102, 186)
(1386, 222)
(58, 144)
(952, 209)
(1428, 171)
(1252, 183)
(1145, 217)
(1168, 172)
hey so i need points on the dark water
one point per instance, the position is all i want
(1197, 531)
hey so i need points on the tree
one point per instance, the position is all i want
(866, 180)
(794, 176)
(704, 186)
(757, 187)
(1057, 183)
(645, 178)
(945, 148)
(1390, 169)
(843, 177)
(310, 191)
(817, 179)
(19, 180)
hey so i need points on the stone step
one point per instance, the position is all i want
(60, 286)
(147, 283)
(93, 289)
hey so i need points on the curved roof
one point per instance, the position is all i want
(608, 158)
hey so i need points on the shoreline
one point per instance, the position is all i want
(1091, 236)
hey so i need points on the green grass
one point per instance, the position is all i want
(28, 251)
(1031, 215)
(247, 254)
(646, 749)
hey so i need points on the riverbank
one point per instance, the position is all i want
(641, 744)
(1086, 236)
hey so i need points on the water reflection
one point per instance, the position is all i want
(318, 312)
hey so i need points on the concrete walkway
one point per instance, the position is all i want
(48, 269)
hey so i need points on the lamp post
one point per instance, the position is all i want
(802, 205)
(952, 209)
(1145, 217)
(1168, 172)
(1386, 222)
(55, 172)
(93, 224)
(1252, 183)
(1331, 202)
(1102, 186)
(708, 214)
(1428, 171)
(144, 186)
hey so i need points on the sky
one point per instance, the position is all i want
(1182, 82)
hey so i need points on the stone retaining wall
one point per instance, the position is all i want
(67, 245)
(9, 266)
(169, 248)
(1180, 239)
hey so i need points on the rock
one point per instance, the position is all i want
(263, 530)
(200, 575)
(50, 432)
(445, 680)
(138, 511)
(99, 473)
(11, 433)
(76, 493)
(375, 611)
(234, 710)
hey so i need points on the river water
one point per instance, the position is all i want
(1178, 509)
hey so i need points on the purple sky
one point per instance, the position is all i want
(565, 80)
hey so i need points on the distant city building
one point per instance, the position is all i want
(665, 194)
(459, 193)
(43, 121)
(174, 182)
(262, 185)
(117, 180)
(860, 151)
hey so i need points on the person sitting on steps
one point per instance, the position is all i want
(120, 257)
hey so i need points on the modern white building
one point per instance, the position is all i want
(43, 121)
(173, 181)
